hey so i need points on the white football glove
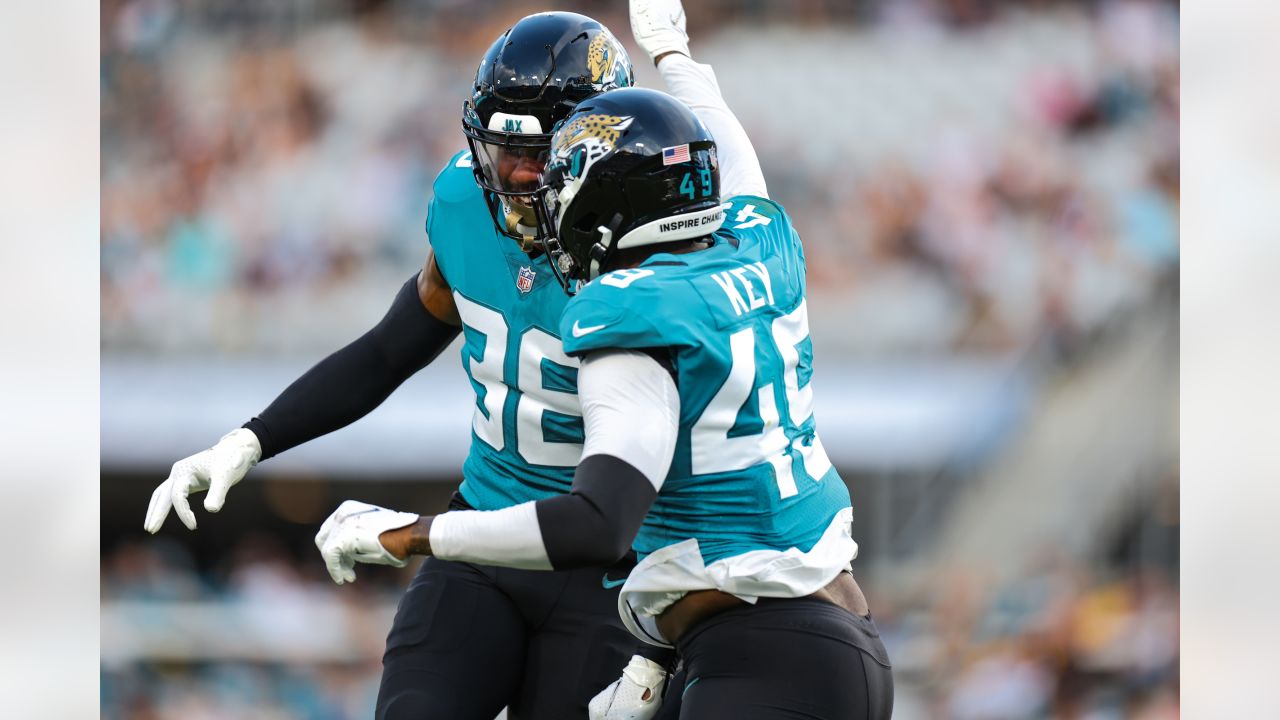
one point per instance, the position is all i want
(215, 470)
(350, 535)
(658, 27)
(625, 699)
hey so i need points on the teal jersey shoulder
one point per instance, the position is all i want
(749, 472)
(668, 300)
(527, 427)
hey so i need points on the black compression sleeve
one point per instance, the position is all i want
(595, 523)
(350, 383)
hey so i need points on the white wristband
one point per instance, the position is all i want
(510, 537)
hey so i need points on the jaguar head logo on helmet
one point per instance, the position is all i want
(531, 78)
(578, 145)
(608, 61)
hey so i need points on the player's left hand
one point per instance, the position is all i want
(637, 695)
(350, 535)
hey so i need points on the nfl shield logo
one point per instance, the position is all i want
(524, 283)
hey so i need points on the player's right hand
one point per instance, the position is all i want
(353, 533)
(637, 695)
(658, 27)
(215, 470)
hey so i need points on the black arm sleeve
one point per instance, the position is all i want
(594, 524)
(350, 383)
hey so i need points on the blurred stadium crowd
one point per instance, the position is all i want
(984, 178)
(997, 181)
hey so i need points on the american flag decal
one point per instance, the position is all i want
(524, 281)
(677, 154)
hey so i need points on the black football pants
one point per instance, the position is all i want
(782, 659)
(468, 640)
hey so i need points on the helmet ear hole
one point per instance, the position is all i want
(587, 222)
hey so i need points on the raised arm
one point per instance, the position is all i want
(659, 29)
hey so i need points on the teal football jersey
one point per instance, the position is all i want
(527, 426)
(749, 472)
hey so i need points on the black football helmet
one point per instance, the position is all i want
(628, 168)
(531, 78)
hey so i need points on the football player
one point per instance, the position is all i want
(469, 639)
(696, 384)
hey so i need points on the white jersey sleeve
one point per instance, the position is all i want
(631, 410)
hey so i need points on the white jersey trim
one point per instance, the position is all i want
(668, 574)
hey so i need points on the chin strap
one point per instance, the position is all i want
(514, 221)
(528, 238)
(600, 250)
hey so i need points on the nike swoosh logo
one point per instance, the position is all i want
(579, 331)
(609, 584)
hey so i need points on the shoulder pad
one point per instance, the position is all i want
(456, 183)
(621, 309)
